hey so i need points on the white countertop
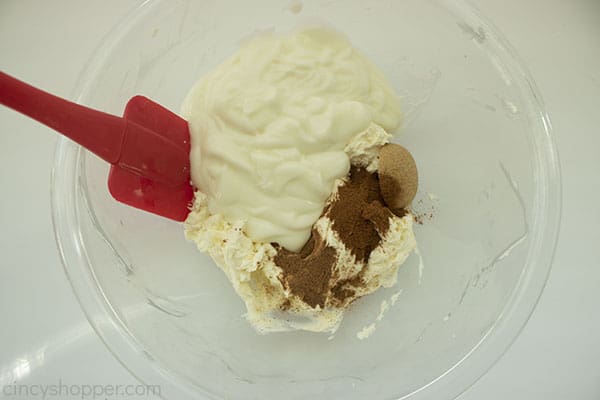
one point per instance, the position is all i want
(44, 334)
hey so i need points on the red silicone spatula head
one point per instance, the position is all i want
(148, 148)
(130, 187)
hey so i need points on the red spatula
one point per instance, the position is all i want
(148, 147)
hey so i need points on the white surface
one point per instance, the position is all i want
(45, 337)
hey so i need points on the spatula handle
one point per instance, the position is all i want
(101, 133)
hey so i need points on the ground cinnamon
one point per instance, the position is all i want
(360, 218)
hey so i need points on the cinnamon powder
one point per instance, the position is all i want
(307, 273)
(357, 232)
(361, 219)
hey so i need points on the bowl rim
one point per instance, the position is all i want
(466, 372)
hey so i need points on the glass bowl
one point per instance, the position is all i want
(488, 206)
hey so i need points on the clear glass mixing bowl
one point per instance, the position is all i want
(489, 202)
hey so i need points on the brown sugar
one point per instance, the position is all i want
(398, 175)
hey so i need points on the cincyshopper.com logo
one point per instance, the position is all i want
(62, 390)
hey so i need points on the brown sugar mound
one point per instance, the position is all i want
(398, 176)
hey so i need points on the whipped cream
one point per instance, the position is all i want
(271, 125)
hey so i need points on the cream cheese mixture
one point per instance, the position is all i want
(287, 139)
